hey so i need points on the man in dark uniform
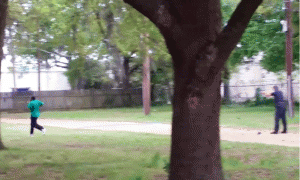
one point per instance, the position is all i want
(34, 107)
(280, 110)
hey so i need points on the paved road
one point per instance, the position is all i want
(227, 134)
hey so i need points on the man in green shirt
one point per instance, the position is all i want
(34, 107)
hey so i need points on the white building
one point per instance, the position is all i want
(51, 79)
(250, 76)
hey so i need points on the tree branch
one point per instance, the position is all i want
(146, 7)
(66, 67)
(99, 22)
(153, 40)
(65, 56)
(136, 67)
(231, 34)
(156, 11)
(55, 53)
(132, 52)
(56, 61)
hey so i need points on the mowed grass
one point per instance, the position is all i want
(80, 154)
(255, 117)
(87, 154)
(230, 116)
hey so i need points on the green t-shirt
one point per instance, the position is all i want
(34, 107)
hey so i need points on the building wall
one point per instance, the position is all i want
(248, 77)
(50, 81)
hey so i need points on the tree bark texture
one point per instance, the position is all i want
(3, 14)
(199, 48)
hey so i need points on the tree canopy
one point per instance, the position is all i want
(108, 33)
(264, 33)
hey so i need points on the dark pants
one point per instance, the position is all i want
(35, 125)
(280, 114)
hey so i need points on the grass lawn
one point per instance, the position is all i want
(87, 154)
(255, 117)
(236, 116)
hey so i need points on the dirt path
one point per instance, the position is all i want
(227, 134)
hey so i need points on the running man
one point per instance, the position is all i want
(34, 107)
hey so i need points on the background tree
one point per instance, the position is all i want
(199, 49)
(143, 35)
(81, 31)
(263, 34)
(274, 42)
(68, 33)
(131, 23)
(12, 24)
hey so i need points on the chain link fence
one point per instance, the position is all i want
(237, 94)
(248, 92)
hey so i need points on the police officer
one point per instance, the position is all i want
(280, 110)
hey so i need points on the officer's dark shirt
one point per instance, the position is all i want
(278, 99)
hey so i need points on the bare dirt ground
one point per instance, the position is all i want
(227, 134)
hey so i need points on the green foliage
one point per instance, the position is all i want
(90, 70)
(264, 34)
(135, 33)
(270, 38)
(94, 72)
(75, 71)
(79, 28)
(14, 12)
(258, 97)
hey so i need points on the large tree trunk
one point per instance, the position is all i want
(192, 31)
(3, 13)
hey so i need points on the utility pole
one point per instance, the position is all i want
(38, 56)
(146, 79)
(289, 57)
(39, 71)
